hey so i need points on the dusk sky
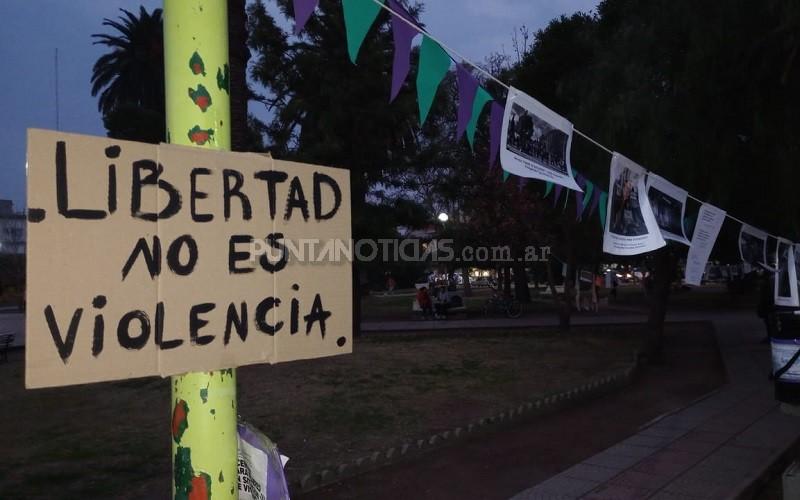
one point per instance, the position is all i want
(33, 29)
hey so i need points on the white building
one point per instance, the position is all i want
(12, 229)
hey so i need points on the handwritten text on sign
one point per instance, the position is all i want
(140, 260)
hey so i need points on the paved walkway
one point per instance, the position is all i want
(715, 448)
(615, 316)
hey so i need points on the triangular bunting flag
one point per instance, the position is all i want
(358, 18)
(506, 175)
(548, 188)
(302, 13)
(434, 63)
(579, 196)
(481, 98)
(403, 35)
(588, 193)
(467, 87)
(559, 188)
(495, 128)
(595, 201)
(602, 203)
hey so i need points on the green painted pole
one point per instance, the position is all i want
(204, 442)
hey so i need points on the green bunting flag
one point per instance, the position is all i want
(548, 189)
(481, 99)
(434, 64)
(506, 175)
(587, 195)
(358, 18)
(601, 206)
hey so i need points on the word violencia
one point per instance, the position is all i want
(137, 328)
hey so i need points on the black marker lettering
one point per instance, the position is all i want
(152, 258)
(237, 321)
(235, 190)
(123, 330)
(263, 308)
(198, 195)
(196, 323)
(62, 194)
(64, 346)
(319, 179)
(296, 199)
(272, 178)
(235, 256)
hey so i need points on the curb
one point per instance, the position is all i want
(304, 482)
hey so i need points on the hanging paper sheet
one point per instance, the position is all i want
(536, 141)
(668, 202)
(631, 228)
(753, 246)
(786, 278)
(706, 230)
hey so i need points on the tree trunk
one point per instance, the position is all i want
(465, 279)
(507, 281)
(662, 278)
(521, 283)
(239, 55)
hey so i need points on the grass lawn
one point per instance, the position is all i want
(111, 440)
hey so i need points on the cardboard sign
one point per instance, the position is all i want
(146, 259)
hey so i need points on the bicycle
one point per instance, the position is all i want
(502, 304)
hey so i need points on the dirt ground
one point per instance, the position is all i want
(112, 440)
(515, 459)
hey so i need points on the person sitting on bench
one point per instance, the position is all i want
(442, 302)
(424, 301)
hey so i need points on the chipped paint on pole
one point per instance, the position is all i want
(204, 439)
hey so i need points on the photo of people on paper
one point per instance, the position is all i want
(786, 277)
(753, 246)
(669, 204)
(626, 213)
(631, 228)
(536, 141)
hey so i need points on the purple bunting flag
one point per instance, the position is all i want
(595, 201)
(302, 13)
(559, 188)
(467, 88)
(403, 35)
(579, 195)
(495, 129)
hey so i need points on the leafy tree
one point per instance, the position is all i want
(130, 78)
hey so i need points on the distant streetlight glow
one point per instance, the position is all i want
(443, 217)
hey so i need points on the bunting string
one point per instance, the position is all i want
(455, 54)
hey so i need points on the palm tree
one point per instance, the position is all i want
(130, 78)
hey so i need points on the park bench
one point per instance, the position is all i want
(5, 343)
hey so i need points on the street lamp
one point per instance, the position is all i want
(443, 217)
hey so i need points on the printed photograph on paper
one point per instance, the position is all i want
(752, 248)
(626, 217)
(533, 138)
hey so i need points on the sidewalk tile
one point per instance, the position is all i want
(635, 479)
(613, 460)
(564, 486)
(668, 462)
(590, 472)
(646, 441)
(617, 492)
